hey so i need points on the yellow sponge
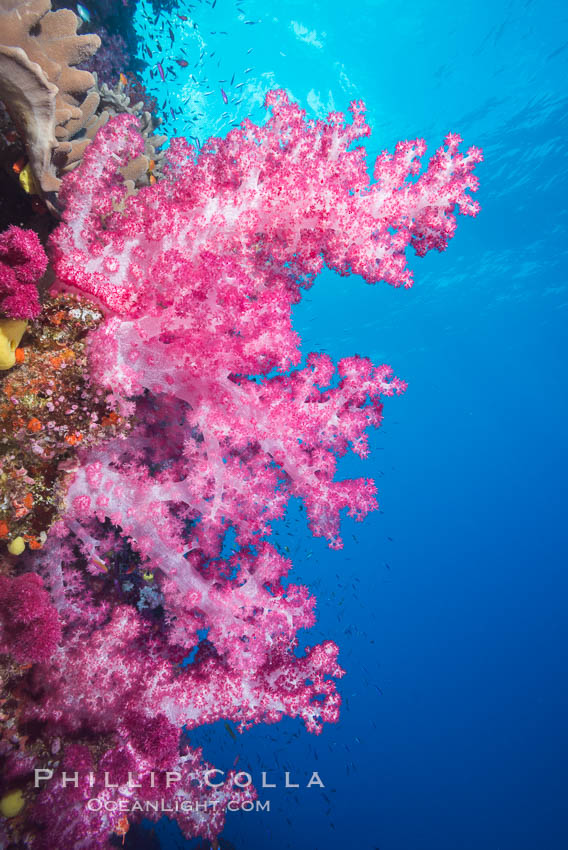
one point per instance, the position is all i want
(11, 332)
(27, 181)
(12, 804)
(17, 546)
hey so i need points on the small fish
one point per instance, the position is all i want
(83, 13)
(123, 79)
(172, 111)
(224, 96)
(99, 563)
(183, 63)
(149, 51)
(182, 17)
(122, 826)
(230, 731)
(171, 34)
(19, 165)
(161, 71)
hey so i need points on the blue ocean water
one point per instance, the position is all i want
(450, 605)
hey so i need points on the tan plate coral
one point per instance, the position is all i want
(47, 97)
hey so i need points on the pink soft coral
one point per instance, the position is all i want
(197, 276)
(22, 263)
(267, 206)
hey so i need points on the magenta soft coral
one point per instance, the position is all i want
(29, 624)
(273, 201)
(22, 263)
(139, 676)
(197, 276)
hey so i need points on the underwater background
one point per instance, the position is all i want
(449, 606)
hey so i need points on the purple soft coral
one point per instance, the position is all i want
(29, 624)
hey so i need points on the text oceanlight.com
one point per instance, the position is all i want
(213, 779)
(96, 804)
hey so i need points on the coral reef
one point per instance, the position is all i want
(164, 393)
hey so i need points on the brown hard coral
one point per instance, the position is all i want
(138, 172)
(48, 98)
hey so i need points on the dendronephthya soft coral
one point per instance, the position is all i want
(197, 277)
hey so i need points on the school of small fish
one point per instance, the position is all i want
(185, 70)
